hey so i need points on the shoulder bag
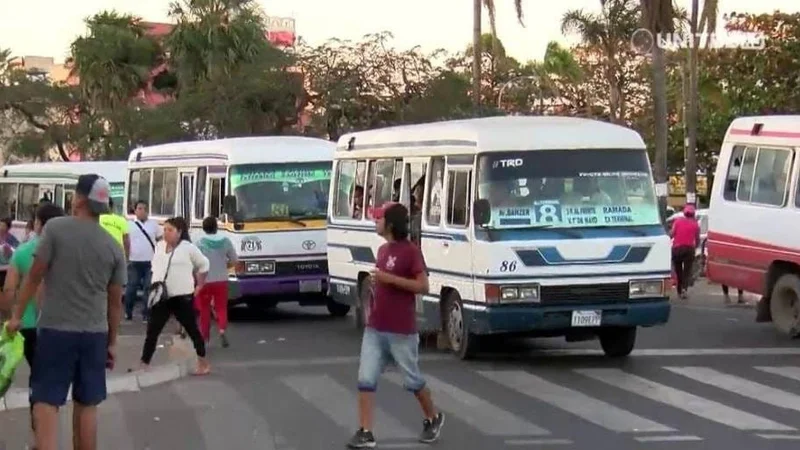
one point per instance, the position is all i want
(158, 290)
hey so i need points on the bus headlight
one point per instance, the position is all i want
(520, 294)
(646, 288)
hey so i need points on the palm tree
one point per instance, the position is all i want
(707, 24)
(114, 60)
(477, 12)
(213, 37)
(610, 31)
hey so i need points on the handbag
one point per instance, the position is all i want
(158, 289)
(12, 349)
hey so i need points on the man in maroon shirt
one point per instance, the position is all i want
(391, 331)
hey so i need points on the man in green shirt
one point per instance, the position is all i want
(117, 226)
(19, 266)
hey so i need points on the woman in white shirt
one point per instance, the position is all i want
(182, 268)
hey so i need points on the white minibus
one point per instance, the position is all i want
(539, 226)
(270, 196)
(23, 185)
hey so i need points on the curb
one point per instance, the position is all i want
(17, 398)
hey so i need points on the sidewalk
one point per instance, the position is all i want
(174, 359)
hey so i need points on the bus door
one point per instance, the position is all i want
(186, 193)
(411, 195)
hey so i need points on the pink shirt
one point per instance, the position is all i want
(684, 232)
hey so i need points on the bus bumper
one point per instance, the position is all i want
(505, 319)
(280, 285)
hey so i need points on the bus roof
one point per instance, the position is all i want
(497, 134)
(231, 151)
(758, 130)
(113, 171)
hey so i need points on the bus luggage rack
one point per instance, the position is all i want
(585, 293)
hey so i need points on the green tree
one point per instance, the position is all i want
(35, 115)
(231, 80)
(113, 62)
(478, 40)
(610, 32)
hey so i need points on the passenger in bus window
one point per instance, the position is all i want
(358, 202)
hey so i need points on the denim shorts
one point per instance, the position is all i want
(67, 359)
(379, 348)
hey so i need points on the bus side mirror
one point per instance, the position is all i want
(481, 212)
(229, 206)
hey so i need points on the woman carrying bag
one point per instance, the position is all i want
(179, 272)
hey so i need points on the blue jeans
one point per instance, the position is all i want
(379, 348)
(138, 278)
(69, 358)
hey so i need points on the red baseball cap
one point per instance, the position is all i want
(377, 213)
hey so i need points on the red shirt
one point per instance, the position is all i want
(393, 309)
(684, 232)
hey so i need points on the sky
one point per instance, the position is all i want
(47, 27)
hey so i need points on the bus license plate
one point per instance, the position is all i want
(311, 286)
(586, 318)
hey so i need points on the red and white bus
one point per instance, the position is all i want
(754, 216)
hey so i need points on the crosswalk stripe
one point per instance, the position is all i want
(213, 403)
(737, 385)
(588, 408)
(482, 415)
(693, 404)
(112, 428)
(339, 404)
(784, 371)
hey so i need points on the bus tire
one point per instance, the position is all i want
(462, 343)
(337, 309)
(784, 305)
(617, 342)
(361, 315)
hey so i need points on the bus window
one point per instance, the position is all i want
(435, 192)
(139, 189)
(215, 198)
(28, 200)
(200, 194)
(458, 198)
(165, 186)
(8, 200)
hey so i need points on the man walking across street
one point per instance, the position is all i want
(143, 235)
(83, 270)
(391, 333)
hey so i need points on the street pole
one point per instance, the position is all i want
(477, 55)
(692, 117)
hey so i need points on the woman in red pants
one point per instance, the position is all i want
(221, 255)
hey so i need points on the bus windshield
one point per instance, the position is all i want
(568, 189)
(278, 191)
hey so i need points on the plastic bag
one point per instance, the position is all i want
(12, 350)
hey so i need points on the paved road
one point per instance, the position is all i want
(712, 378)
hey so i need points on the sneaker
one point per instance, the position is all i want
(362, 439)
(431, 429)
(224, 339)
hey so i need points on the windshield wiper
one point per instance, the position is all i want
(279, 219)
(635, 231)
(549, 227)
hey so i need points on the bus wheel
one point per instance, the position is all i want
(784, 305)
(462, 342)
(362, 307)
(337, 309)
(618, 342)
